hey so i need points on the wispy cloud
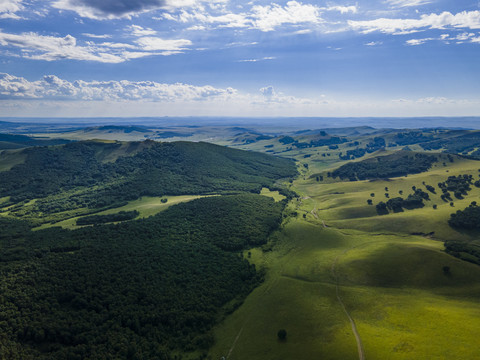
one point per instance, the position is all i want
(374, 43)
(49, 48)
(97, 36)
(260, 59)
(465, 19)
(447, 39)
(408, 3)
(137, 30)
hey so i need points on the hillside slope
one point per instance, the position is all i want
(97, 174)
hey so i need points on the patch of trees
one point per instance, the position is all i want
(464, 250)
(285, 140)
(376, 144)
(457, 143)
(469, 218)
(398, 204)
(170, 134)
(146, 168)
(136, 290)
(381, 167)
(324, 141)
(411, 137)
(459, 185)
(103, 219)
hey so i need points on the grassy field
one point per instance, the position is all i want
(273, 194)
(146, 206)
(393, 284)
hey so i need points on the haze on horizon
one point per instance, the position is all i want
(230, 58)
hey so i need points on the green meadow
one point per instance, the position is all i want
(146, 206)
(408, 298)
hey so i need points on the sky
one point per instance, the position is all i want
(125, 58)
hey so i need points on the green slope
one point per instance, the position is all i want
(99, 174)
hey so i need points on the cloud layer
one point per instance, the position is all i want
(50, 87)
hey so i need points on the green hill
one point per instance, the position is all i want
(63, 177)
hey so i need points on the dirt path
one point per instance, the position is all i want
(358, 339)
(234, 343)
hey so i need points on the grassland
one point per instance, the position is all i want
(273, 194)
(390, 271)
(408, 298)
(146, 206)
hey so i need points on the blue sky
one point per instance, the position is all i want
(225, 57)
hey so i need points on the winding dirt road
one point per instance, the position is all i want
(361, 351)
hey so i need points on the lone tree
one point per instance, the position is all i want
(282, 334)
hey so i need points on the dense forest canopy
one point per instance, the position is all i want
(136, 290)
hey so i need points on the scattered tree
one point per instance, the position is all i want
(446, 270)
(282, 335)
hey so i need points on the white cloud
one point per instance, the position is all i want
(465, 19)
(267, 18)
(264, 18)
(52, 96)
(408, 3)
(447, 39)
(414, 42)
(137, 30)
(343, 9)
(97, 36)
(50, 87)
(270, 95)
(156, 44)
(464, 36)
(374, 43)
(9, 9)
(196, 28)
(50, 48)
(260, 59)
